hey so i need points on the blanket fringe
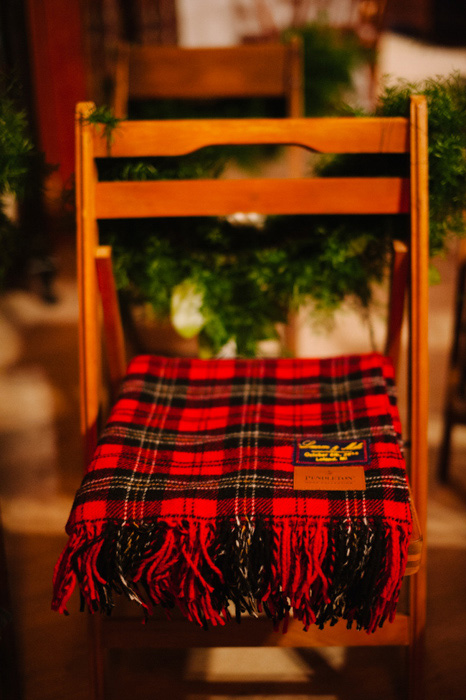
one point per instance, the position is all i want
(320, 571)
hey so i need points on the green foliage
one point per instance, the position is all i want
(15, 152)
(15, 144)
(249, 277)
(446, 102)
(205, 163)
(103, 118)
(330, 57)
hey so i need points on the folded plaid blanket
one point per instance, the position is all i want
(274, 485)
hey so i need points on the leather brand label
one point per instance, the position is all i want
(329, 478)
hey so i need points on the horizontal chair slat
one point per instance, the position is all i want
(116, 200)
(338, 135)
(256, 70)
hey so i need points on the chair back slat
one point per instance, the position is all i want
(154, 72)
(139, 139)
(173, 72)
(119, 200)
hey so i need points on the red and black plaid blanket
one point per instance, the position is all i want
(273, 485)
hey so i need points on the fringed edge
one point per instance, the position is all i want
(319, 570)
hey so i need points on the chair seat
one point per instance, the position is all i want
(273, 485)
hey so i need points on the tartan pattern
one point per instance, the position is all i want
(203, 439)
(205, 443)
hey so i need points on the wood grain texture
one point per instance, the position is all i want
(323, 135)
(419, 367)
(87, 236)
(397, 296)
(233, 71)
(273, 196)
(269, 69)
(113, 328)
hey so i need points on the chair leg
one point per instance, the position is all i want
(416, 659)
(455, 377)
(97, 658)
(445, 446)
(416, 671)
(11, 685)
(291, 334)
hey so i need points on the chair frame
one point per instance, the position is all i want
(270, 69)
(100, 200)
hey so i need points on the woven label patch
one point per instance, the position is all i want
(316, 451)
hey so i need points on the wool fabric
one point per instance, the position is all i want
(190, 499)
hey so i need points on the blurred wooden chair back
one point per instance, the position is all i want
(162, 72)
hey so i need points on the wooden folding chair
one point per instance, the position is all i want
(106, 200)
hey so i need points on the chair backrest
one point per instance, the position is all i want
(367, 195)
(169, 72)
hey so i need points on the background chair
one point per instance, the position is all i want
(101, 200)
(270, 69)
(265, 70)
(455, 401)
(164, 72)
